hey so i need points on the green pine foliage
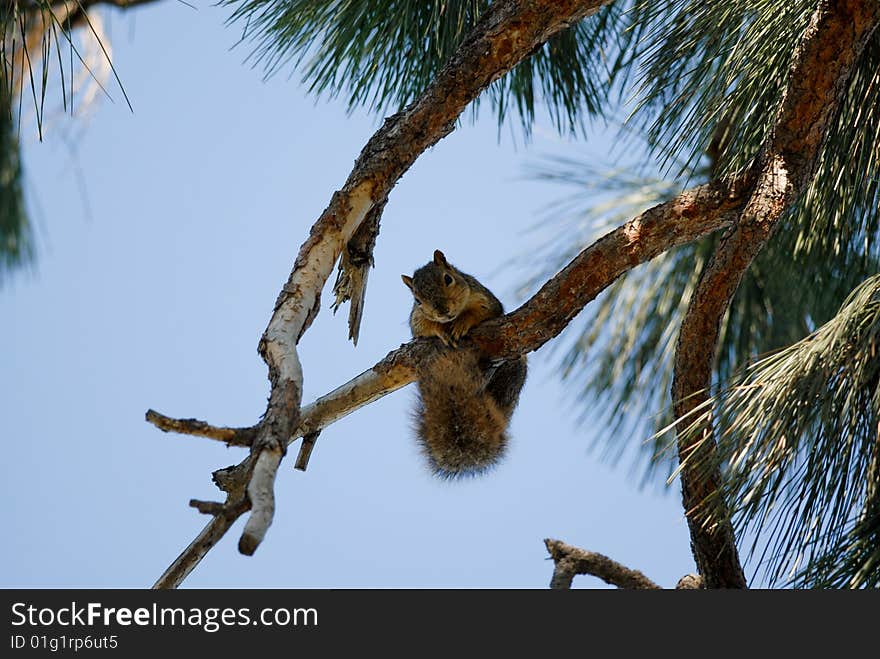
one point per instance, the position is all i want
(15, 232)
(707, 65)
(801, 451)
(382, 53)
(797, 430)
(711, 77)
(619, 355)
(38, 59)
(853, 561)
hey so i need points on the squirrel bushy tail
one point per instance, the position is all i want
(461, 421)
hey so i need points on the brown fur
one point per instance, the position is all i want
(459, 425)
(448, 311)
(464, 404)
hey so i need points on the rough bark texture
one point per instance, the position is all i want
(571, 561)
(689, 216)
(232, 436)
(820, 70)
(506, 34)
(354, 269)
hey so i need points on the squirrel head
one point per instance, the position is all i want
(439, 289)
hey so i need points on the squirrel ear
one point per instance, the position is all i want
(408, 281)
(439, 258)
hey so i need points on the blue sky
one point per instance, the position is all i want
(164, 237)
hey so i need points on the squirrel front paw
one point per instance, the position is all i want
(456, 334)
(449, 340)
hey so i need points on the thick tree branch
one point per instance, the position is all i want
(571, 561)
(689, 216)
(505, 34)
(818, 76)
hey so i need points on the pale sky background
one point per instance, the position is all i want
(164, 237)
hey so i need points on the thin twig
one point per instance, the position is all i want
(232, 436)
(305, 450)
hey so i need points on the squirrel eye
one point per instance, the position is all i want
(447, 279)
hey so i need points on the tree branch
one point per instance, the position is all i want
(691, 215)
(820, 70)
(232, 436)
(232, 480)
(506, 33)
(571, 561)
(194, 553)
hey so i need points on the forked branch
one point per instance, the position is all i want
(691, 215)
(507, 32)
(817, 81)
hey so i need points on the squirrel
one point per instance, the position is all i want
(465, 401)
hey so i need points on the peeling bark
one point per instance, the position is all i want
(689, 216)
(354, 269)
(506, 33)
